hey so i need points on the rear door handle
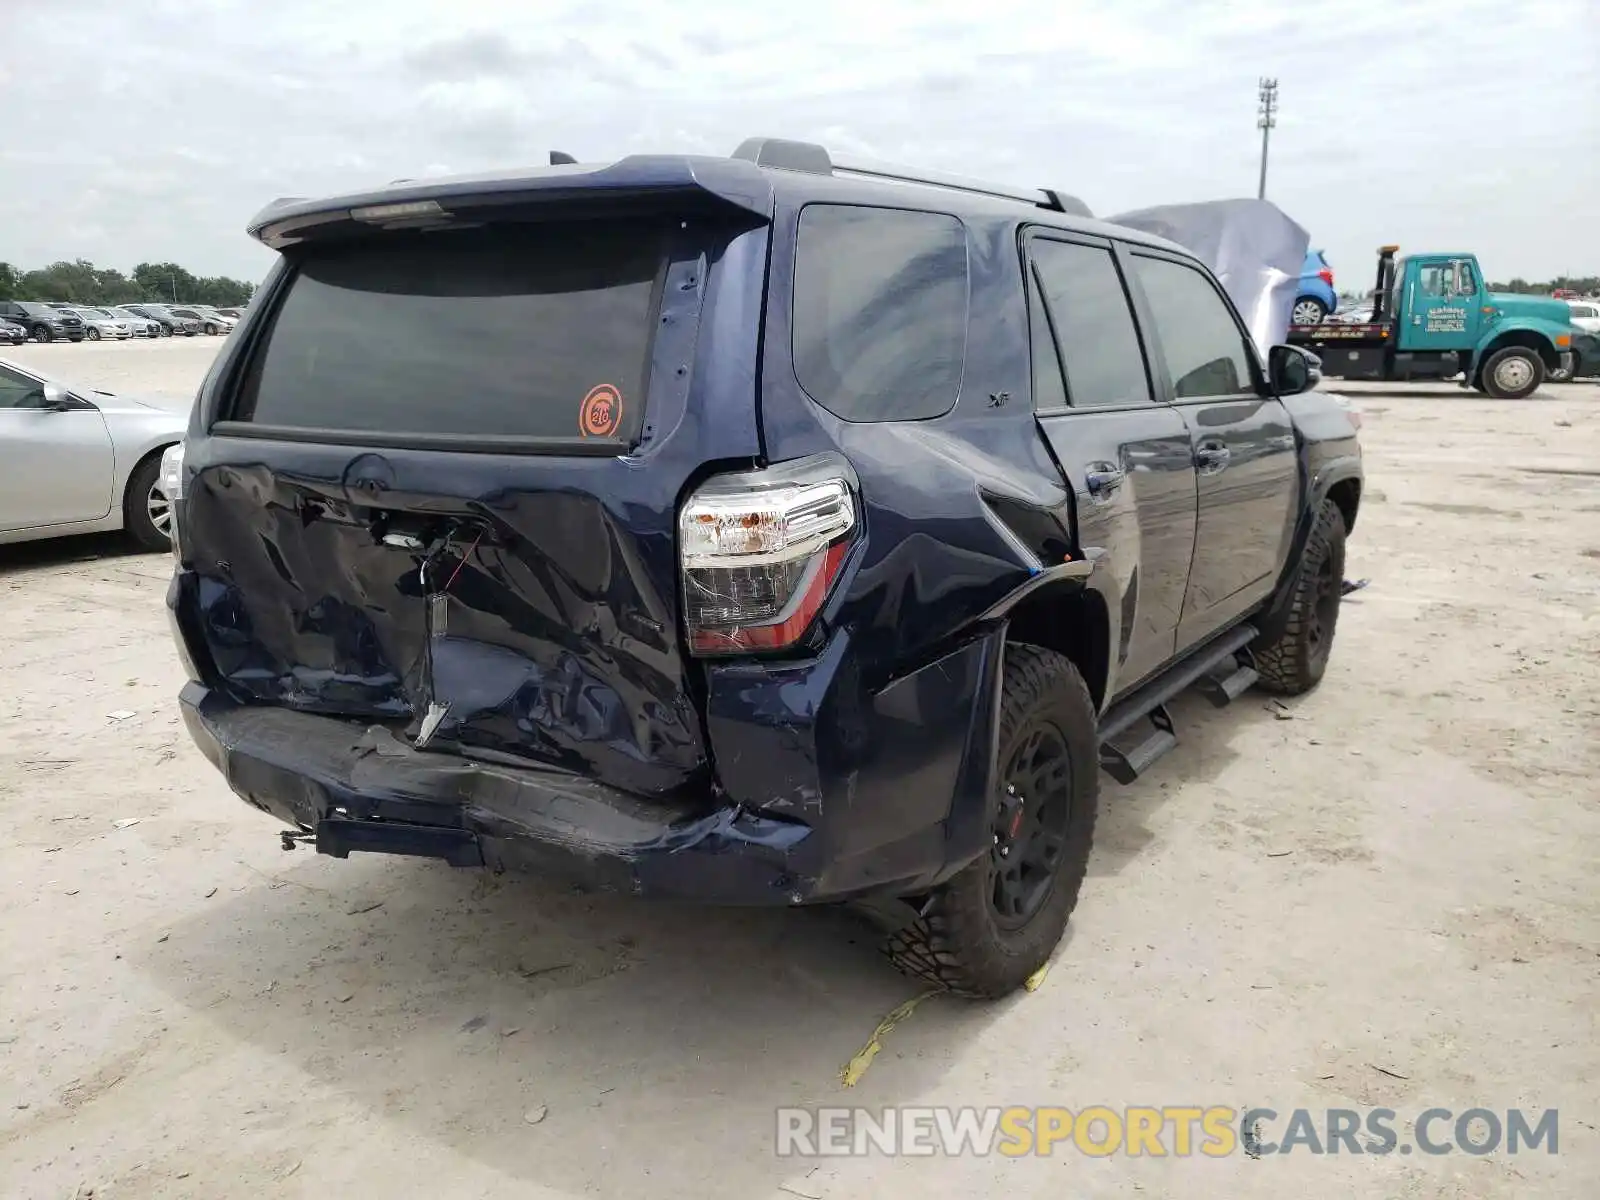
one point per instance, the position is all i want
(1212, 456)
(1103, 478)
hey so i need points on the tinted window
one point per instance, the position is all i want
(523, 331)
(20, 391)
(1205, 353)
(880, 311)
(1093, 323)
(1585, 311)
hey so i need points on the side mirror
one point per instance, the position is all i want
(56, 398)
(1293, 370)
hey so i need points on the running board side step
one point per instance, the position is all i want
(1218, 670)
(1127, 765)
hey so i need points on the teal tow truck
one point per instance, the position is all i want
(1432, 318)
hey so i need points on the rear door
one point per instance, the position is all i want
(441, 487)
(1127, 457)
(1243, 439)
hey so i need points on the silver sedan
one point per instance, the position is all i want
(81, 461)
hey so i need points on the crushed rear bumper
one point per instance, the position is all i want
(820, 798)
(361, 788)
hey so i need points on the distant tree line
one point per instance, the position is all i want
(81, 282)
(1586, 285)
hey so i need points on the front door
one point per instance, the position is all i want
(58, 465)
(1127, 458)
(1439, 307)
(1243, 441)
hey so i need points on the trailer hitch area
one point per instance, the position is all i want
(290, 837)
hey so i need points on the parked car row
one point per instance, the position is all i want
(55, 320)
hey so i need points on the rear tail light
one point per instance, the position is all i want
(760, 551)
(1326, 275)
(172, 484)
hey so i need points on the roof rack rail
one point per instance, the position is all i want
(814, 159)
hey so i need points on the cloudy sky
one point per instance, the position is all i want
(153, 129)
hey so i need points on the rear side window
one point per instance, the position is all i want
(880, 311)
(536, 331)
(1204, 350)
(1093, 324)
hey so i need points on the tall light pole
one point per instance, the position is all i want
(1267, 93)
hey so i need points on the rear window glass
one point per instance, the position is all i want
(537, 331)
(880, 311)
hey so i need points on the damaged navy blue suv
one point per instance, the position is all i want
(761, 530)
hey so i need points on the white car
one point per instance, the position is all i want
(101, 325)
(1585, 314)
(81, 461)
(210, 322)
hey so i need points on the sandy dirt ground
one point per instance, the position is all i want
(1383, 896)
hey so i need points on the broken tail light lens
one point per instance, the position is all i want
(760, 551)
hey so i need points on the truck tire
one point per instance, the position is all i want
(997, 921)
(1294, 661)
(1513, 373)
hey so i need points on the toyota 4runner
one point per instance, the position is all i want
(761, 530)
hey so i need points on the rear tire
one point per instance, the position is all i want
(41, 333)
(1513, 373)
(1308, 310)
(141, 516)
(997, 921)
(1294, 661)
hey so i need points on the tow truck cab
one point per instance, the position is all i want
(1433, 318)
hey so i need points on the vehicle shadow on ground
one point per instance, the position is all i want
(48, 553)
(655, 1036)
(1204, 752)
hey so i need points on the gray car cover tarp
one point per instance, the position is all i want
(1252, 246)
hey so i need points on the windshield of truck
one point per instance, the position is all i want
(528, 331)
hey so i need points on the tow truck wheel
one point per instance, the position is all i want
(994, 923)
(1308, 310)
(1513, 373)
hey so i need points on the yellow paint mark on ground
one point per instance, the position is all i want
(1036, 980)
(857, 1066)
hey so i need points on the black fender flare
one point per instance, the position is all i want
(1334, 471)
(1089, 573)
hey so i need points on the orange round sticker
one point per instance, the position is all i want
(601, 412)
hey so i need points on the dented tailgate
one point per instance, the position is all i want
(418, 495)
